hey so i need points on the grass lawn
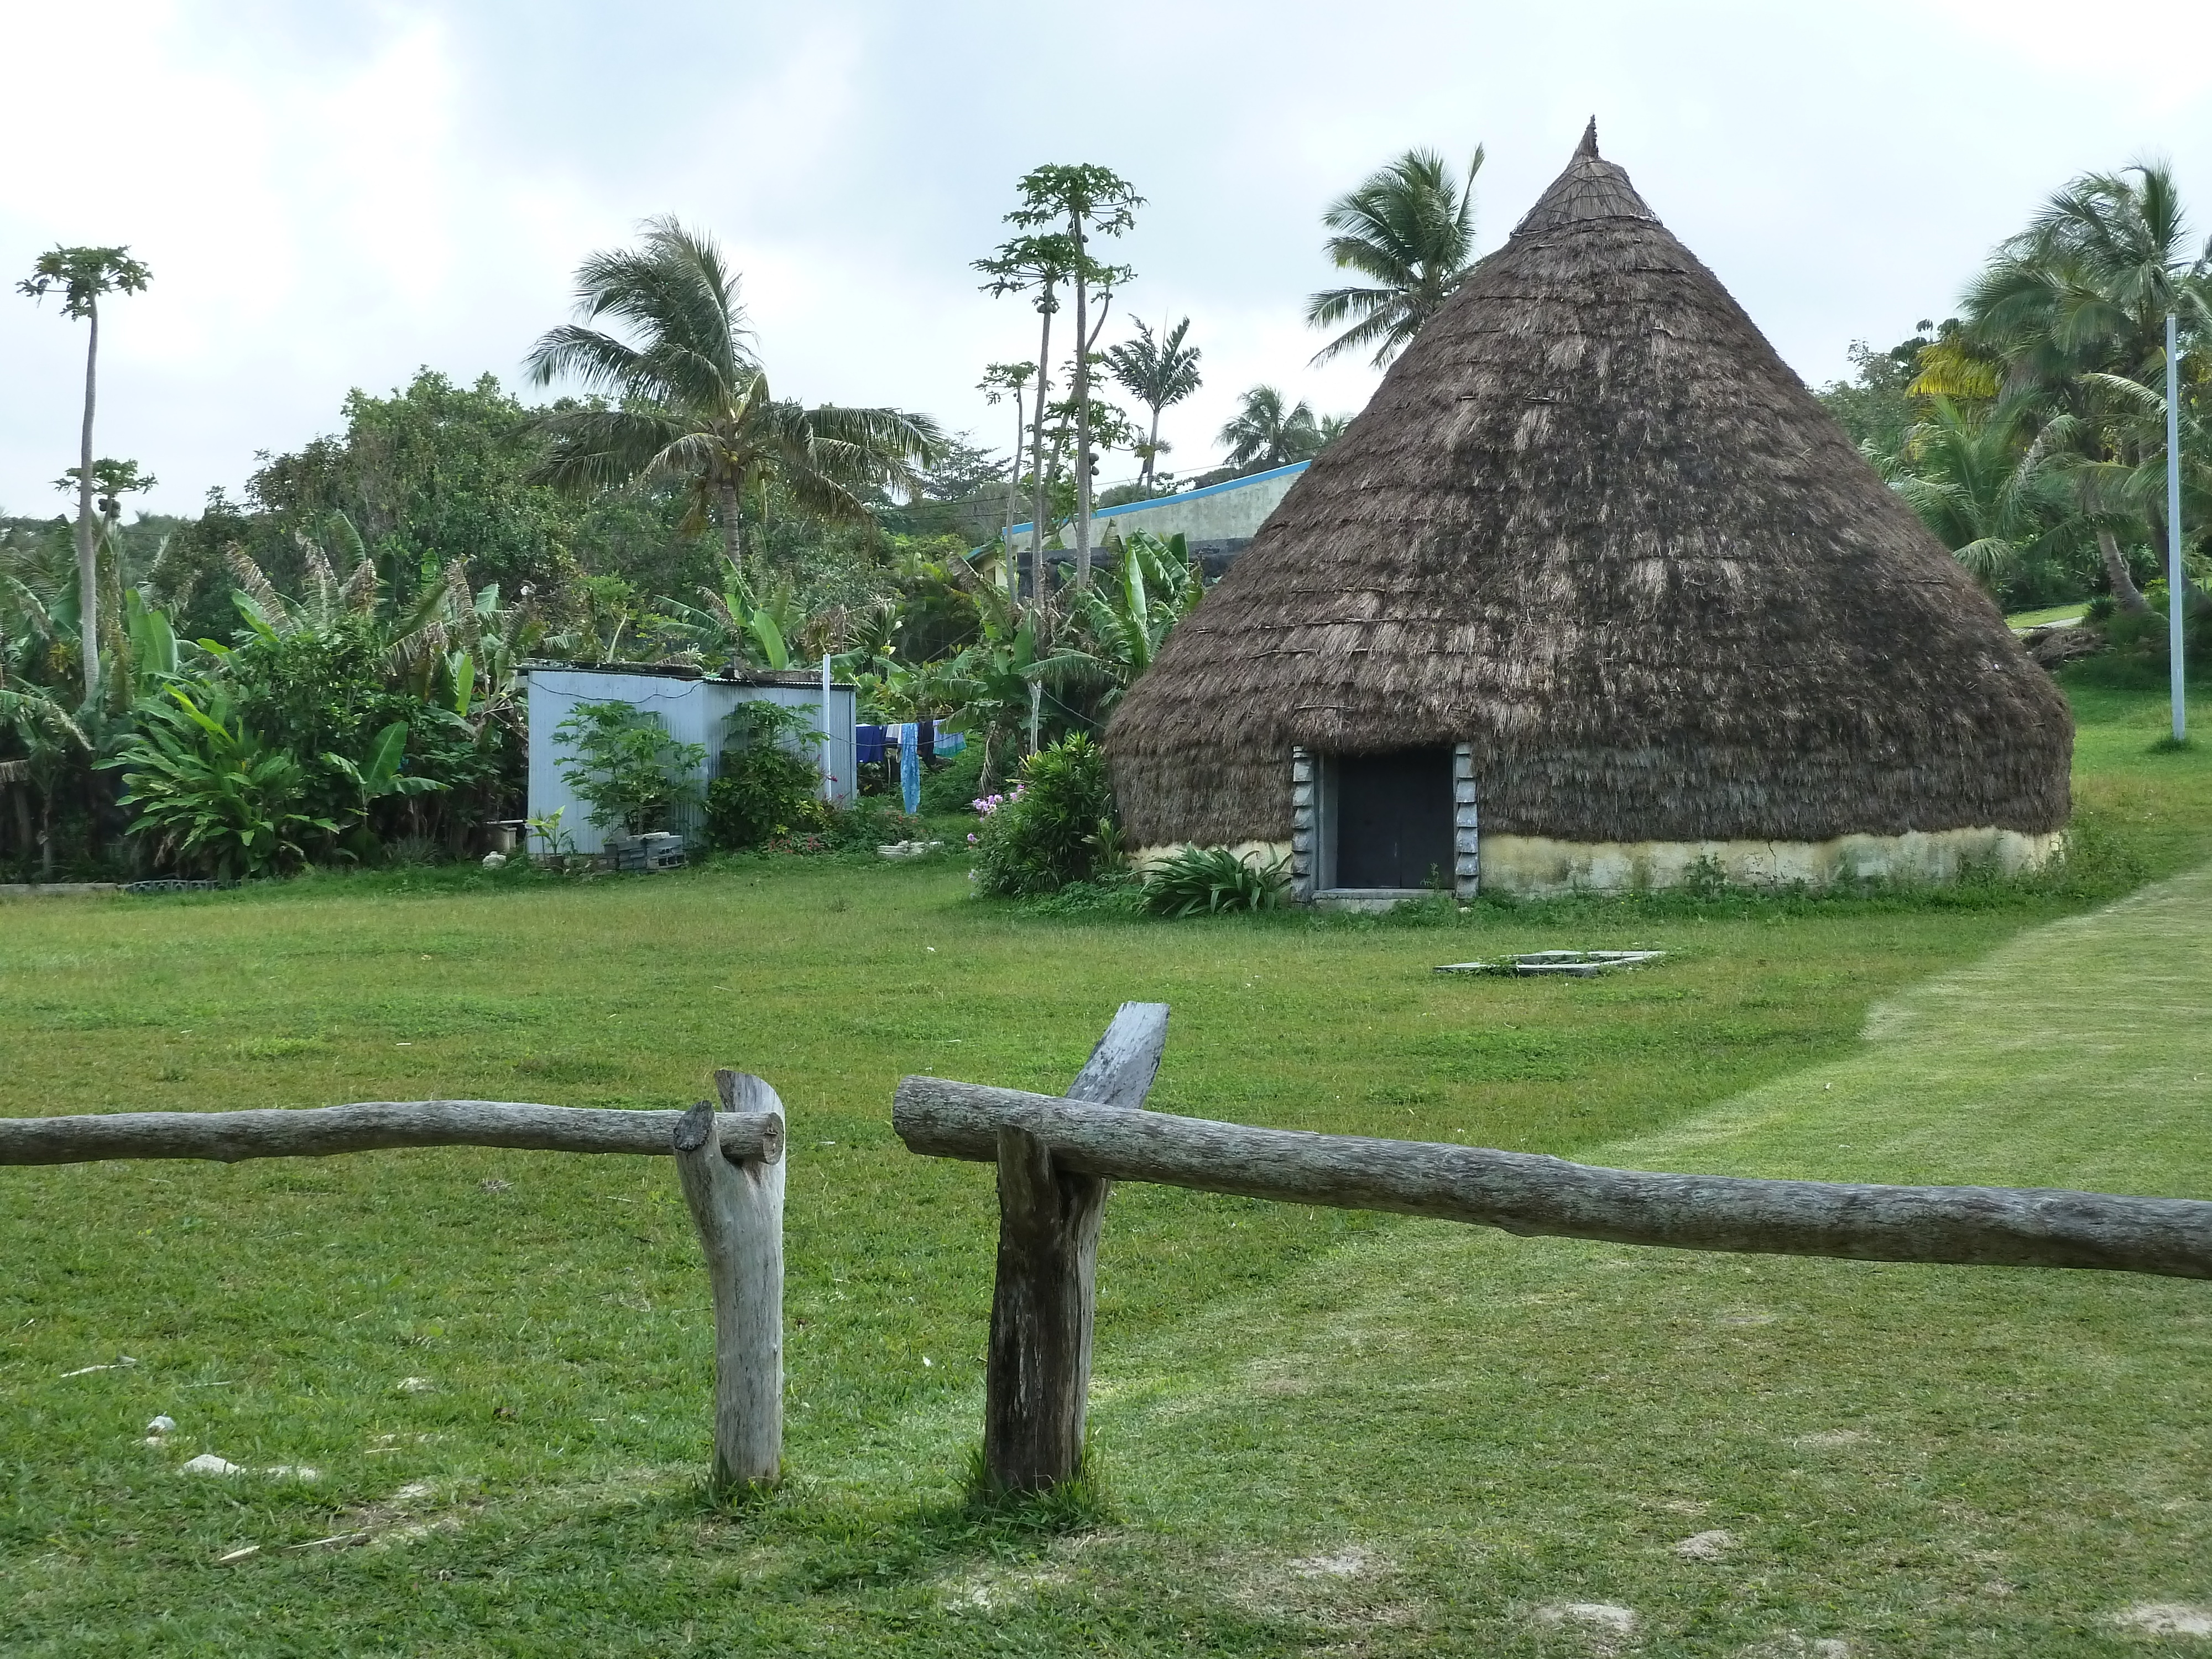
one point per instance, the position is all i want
(1322, 1432)
(2069, 611)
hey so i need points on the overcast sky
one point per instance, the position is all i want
(331, 195)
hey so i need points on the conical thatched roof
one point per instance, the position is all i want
(1592, 524)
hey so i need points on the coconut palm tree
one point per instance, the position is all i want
(1409, 228)
(691, 403)
(1266, 433)
(1996, 504)
(1159, 371)
(2079, 298)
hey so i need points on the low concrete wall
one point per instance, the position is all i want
(1536, 866)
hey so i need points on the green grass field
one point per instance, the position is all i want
(1320, 1432)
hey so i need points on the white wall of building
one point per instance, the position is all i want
(693, 711)
(1224, 512)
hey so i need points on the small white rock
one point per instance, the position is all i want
(208, 1464)
(162, 1425)
(1603, 1616)
(1348, 1563)
(495, 860)
(1705, 1546)
(292, 1472)
(2167, 1618)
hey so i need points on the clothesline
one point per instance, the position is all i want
(916, 741)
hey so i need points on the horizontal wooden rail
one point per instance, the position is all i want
(370, 1125)
(1522, 1193)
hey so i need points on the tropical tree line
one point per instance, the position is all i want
(2029, 430)
(325, 669)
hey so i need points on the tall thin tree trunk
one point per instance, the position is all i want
(1013, 490)
(2125, 594)
(1082, 407)
(87, 567)
(1037, 454)
(1152, 449)
(733, 546)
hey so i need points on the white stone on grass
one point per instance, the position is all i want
(1705, 1546)
(208, 1464)
(2167, 1618)
(162, 1425)
(1606, 1620)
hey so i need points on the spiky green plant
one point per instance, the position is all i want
(1208, 880)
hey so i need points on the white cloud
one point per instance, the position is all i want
(330, 196)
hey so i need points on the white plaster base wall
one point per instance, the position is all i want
(1533, 866)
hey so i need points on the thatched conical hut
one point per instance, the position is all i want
(1595, 594)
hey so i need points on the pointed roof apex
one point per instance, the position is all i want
(1591, 188)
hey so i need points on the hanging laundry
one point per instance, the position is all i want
(909, 743)
(868, 744)
(950, 743)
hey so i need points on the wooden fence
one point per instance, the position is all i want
(729, 1161)
(1057, 1157)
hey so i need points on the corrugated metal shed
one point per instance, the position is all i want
(694, 707)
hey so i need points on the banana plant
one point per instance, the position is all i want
(379, 773)
(734, 626)
(1119, 625)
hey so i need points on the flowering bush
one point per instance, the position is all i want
(1055, 826)
(985, 806)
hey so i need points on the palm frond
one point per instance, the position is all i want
(255, 582)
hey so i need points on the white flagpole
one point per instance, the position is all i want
(828, 781)
(2174, 589)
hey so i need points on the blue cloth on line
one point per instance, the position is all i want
(909, 743)
(867, 745)
(950, 743)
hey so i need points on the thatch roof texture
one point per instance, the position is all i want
(1591, 524)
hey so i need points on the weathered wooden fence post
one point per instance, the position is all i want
(737, 1207)
(1038, 1379)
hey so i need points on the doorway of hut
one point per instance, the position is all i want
(1390, 820)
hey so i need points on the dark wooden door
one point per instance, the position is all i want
(1393, 818)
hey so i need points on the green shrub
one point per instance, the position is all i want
(626, 768)
(1195, 880)
(953, 786)
(214, 799)
(1055, 827)
(767, 788)
(2136, 658)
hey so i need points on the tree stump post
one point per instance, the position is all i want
(1038, 1379)
(737, 1208)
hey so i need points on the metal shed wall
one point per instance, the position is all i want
(692, 710)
